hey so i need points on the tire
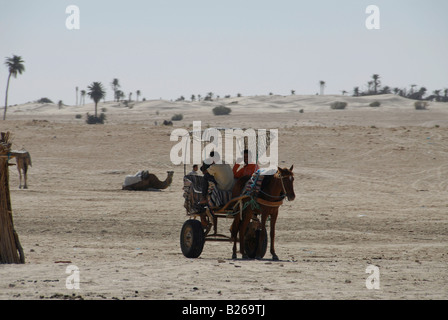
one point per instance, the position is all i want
(251, 240)
(192, 238)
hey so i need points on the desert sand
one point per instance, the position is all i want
(371, 189)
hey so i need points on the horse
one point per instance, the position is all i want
(274, 189)
(23, 160)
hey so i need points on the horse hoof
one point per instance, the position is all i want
(274, 257)
(245, 257)
(234, 256)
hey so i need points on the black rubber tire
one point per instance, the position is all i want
(251, 240)
(192, 238)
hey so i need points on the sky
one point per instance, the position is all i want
(172, 48)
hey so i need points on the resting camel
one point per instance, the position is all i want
(274, 189)
(150, 181)
(23, 160)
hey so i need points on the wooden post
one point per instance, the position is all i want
(10, 249)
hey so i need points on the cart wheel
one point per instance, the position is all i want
(192, 238)
(251, 239)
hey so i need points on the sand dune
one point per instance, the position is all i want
(274, 103)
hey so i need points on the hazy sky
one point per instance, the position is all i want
(169, 48)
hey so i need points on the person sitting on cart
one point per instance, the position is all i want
(194, 172)
(246, 169)
(206, 177)
(219, 173)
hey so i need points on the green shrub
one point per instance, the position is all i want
(375, 104)
(78, 116)
(420, 105)
(221, 110)
(91, 119)
(44, 100)
(338, 105)
(177, 117)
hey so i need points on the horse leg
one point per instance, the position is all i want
(243, 226)
(20, 176)
(25, 170)
(234, 234)
(272, 233)
(264, 217)
(215, 225)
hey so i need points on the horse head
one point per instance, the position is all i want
(286, 177)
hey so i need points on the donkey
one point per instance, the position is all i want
(274, 189)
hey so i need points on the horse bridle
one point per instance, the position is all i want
(281, 197)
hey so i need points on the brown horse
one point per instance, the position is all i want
(273, 190)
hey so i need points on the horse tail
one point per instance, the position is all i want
(28, 159)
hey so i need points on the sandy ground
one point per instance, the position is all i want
(371, 186)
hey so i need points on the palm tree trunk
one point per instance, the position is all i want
(96, 113)
(6, 97)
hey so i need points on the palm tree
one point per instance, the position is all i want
(83, 97)
(356, 91)
(138, 93)
(369, 85)
(376, 83)
(115, 86)
(322, 87)
(15, 65)
(96, 93)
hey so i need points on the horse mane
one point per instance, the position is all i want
(266, 180)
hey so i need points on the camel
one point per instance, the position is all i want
(23, 160)
(273, 190)
(150, 181)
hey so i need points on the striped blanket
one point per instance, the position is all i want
(217, 197)
(192, 192)
(253, 186)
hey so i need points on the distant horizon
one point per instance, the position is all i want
(172, 48)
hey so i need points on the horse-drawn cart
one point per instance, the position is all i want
(202, 224)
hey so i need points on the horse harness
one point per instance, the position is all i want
(281, 197)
